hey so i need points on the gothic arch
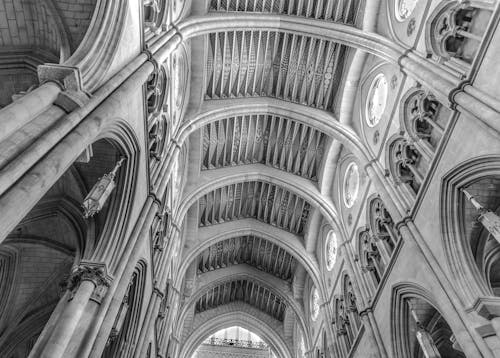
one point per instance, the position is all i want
(99, 46)
(280, 292)
(237, 315)
(468, 278)
(404, 312)
(125, 327)
(319, 119)
(303, 188)
(286, 241)
(122, 137)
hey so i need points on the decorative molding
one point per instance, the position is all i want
(92, 272)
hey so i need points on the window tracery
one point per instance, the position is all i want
(456, 31)
(153, 14)
(421, 118)
(371, 260)
(351, 314)
(377, 100)
(382, 225)
(377, 243)
(405, 161)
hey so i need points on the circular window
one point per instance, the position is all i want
(404, 8)
(377, 99)
(314, 304)
(351, 185)
(331, 250)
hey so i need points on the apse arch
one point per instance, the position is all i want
(456, 245)
(238, 315)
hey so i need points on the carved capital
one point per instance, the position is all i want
(92, 272)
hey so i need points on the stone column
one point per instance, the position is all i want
(88, 282)
(38, 180)
(26, 108)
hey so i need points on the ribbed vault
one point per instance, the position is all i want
(325, 10)
(260, 200)
(243, 290)
(250, 250)
(265, 117)
(268, 139)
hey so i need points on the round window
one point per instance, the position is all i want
(314, 304)
(404, 8)
(351, 184)
(331, 250)
(377, 100)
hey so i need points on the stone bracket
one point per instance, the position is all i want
(487, 307)
(70, 80)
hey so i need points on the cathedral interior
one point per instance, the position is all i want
(249, 178)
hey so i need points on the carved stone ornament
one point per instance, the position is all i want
(93, 272)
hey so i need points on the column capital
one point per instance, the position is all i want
(94, 272)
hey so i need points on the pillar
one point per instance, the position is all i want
(86, 286)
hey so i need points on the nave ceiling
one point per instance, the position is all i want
(266, 66)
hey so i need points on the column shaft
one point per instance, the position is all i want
(22, 111)
(67, 323)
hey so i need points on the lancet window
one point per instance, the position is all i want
(457, 30)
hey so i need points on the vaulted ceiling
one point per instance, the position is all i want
(241, 66)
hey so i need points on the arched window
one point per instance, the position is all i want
(153, 14)
(341, 324)
(371, 260)
(456, 31)
(382, 226)
(351, 308)
(406, 165)
(423, 119)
